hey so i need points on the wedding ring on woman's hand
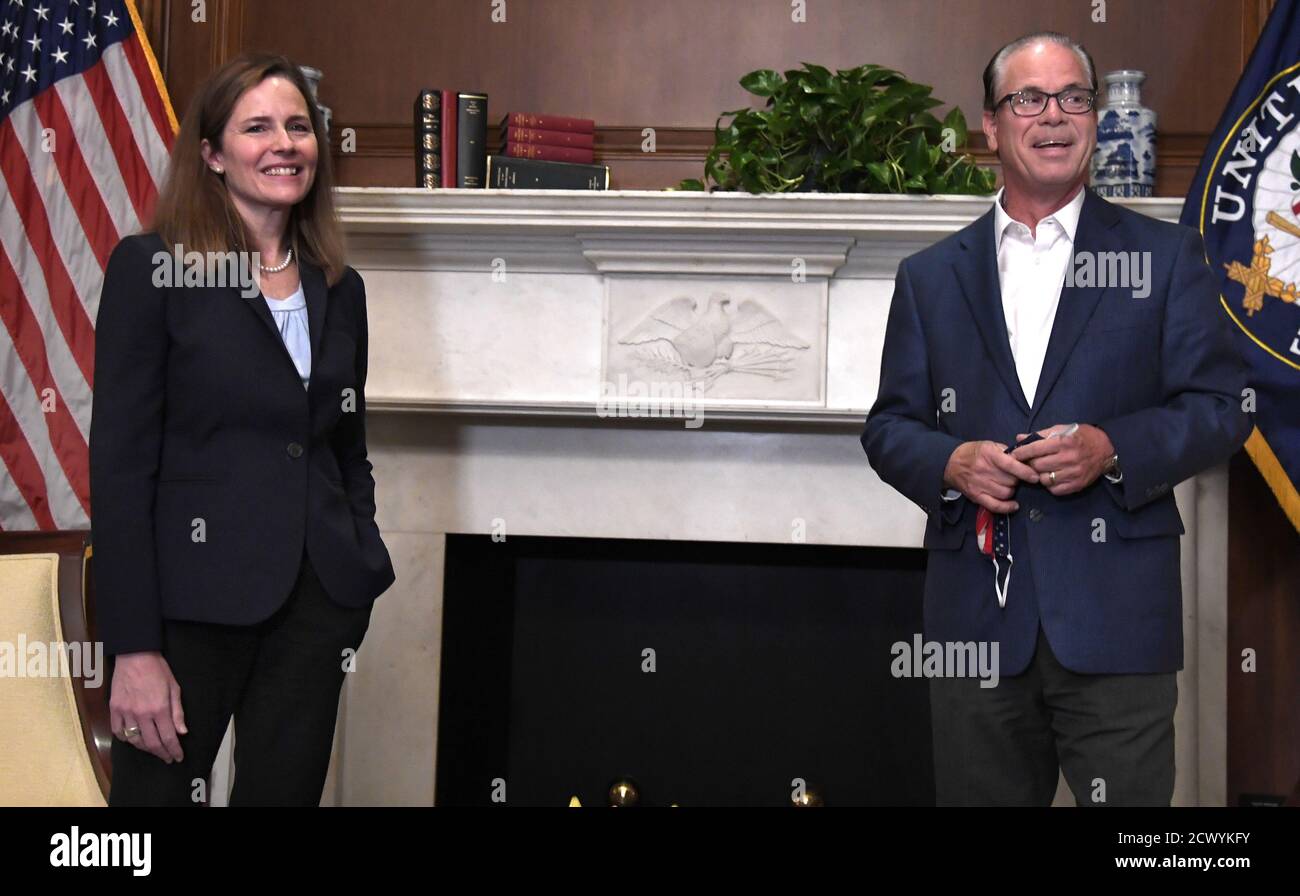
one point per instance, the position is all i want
(1052, 476)
(128, 733)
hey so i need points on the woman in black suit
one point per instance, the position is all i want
(236, 553)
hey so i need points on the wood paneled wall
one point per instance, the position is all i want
(673, 65)
(1264, 618)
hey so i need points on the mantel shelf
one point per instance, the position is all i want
(400, 209)
(839, 235)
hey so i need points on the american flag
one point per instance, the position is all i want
(85, 131)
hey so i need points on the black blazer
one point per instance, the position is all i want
(211, 467)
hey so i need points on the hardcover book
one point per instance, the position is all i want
(550, 138)
(471, 139)
(505, 172)
(428, 138)
(549, 153)
(548, 122)
(449, 116)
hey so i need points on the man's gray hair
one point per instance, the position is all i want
(993, 71)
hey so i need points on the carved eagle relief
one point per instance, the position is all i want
(703, 339)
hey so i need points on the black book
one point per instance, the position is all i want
(506, 172)
(471, 139)
(428, 138)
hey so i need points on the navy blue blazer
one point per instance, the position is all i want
(1160, 375)
(211, 468)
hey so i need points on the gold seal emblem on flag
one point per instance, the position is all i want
(1277, 200)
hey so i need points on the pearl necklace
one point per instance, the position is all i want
(279, 267)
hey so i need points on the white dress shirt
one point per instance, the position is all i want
(1031, 272)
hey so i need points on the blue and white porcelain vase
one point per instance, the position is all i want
(313, 76)
(1124, 163)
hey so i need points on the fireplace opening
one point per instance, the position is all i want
(707, 673)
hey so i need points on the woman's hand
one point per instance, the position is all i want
(145, 695)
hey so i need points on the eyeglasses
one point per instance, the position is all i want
(1028, 103)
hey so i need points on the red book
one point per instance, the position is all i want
(550, 138)
(449, 116)
(548, 122)
(550, 153)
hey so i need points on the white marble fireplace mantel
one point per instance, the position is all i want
(483, 354)
(496, 319)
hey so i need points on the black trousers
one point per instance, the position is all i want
(1111, 735)
(280, 679)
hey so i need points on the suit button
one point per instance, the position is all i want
(1035, 514)
(294, 449)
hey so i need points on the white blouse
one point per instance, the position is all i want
(290, 316)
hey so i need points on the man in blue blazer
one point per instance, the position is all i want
(1098, 329)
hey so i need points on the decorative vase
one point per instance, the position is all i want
(1124, 163)
(313, 76)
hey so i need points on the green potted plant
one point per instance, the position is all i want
(860, 130)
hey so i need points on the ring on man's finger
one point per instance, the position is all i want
(128, 733)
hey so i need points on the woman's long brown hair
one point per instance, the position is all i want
(194, 208)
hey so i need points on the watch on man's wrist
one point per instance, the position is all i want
(1112, 471)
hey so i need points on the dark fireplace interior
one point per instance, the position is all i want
(771, 663)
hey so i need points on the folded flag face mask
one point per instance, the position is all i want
(993, 535)
(993, 530)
